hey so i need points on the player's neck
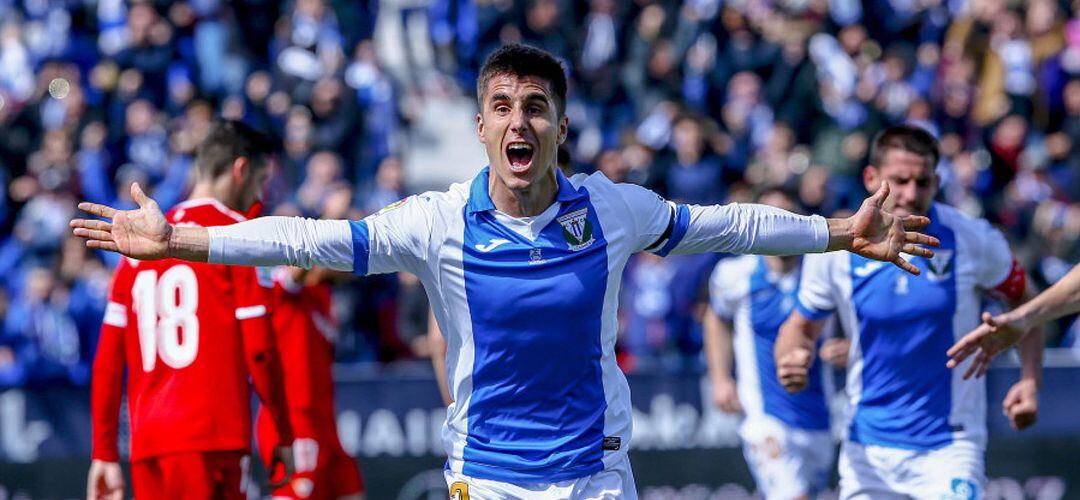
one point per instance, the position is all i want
(528, 202)
(215, 190)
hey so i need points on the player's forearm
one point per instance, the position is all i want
(106, 388)
(718, 348)
(841, 234)
(754, 229)
(1031, 355)
(797, 332)
(1061, 299)
(293, 241)
(190, 243)
(438, 358)
(268, 380)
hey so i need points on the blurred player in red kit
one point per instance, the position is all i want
(190, 336)
(306, 329)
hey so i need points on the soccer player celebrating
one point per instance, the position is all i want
(522, 266)
(305, 329)
(785, 437)
(190, 335)
(915, 429)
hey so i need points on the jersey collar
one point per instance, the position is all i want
(480, 200)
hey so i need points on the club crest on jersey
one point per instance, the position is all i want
(393, 205)
(941, 265)
(577, 229)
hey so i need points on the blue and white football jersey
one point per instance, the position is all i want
(901, 394)
(528, 305)
(758, 300)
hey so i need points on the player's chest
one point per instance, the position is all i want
(561, 270)
(883, 291)
(771, 300)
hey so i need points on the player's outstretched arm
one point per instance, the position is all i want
(794, 350)
(997, 333)
(876, 234)
(141, 234)
(144, 234)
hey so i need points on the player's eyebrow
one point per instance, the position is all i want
(500, 97)
(538, 96)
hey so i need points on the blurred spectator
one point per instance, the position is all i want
(389, 185)
(41, 336)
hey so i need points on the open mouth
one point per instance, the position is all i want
(520, 156)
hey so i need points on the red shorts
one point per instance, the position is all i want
(194, 475)
(323, 469)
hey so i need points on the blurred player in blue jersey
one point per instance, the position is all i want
(522, 266)
(785, 437)
(916, 429)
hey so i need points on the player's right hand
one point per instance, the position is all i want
(793, 369)
(992, 337)
(140, 234)
(726, 397)
(282, 461)
(105, 481)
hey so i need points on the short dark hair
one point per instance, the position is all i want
(226, 141)
(908, 138)
(523, 60)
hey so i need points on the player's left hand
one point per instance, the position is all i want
(1021, 404)
(994, 335)
(282, 460)
(880, 235)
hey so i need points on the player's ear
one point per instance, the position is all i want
(480, 127)
(871, 178)
(238, 170)
(564, 128)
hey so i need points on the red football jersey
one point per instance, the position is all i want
(305, 329)
(183, 330)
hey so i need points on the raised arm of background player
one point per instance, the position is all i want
(998, 333)
(794, 353)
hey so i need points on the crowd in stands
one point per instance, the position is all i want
(704, 101)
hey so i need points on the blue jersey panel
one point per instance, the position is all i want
(537, 407)
(906, 325)
(769, 307)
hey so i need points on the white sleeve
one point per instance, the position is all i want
(817, 298)
(650, 214)
(293, 241)
(997, 258)
(747, 228)
(394, 239)
(724, 289)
